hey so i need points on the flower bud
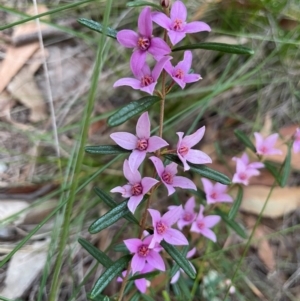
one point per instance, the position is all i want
(165, 3)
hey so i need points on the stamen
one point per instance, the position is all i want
(143, 43)
(142, 144)
(161, 228)
(178, 25)
(143, 250)
(147, 80)
(201, 225)
(179, 73)
(167, 177)
(183, 150)
(213, 195)
(137, 189)
(243, 176)
(187, 216)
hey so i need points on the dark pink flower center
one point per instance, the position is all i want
(143, 43)
(143, 250)
(147, 80)
(161, 228)
(187, 216)
(179, 73)
(167, 177)
(243, 176)
(183, 150)
(136, 189)
(201, 225)
(142, 144)
(213, 195)
(264, 149)
(178, 25)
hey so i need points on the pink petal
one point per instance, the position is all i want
(175, 277)
(159, 48)
(256, 165)
(196, 26)
(191, 78)
(193, 139)
(245, 158)
(271, 140)
(148, 183)
(158, 165)
(143, 126)
(137, 263)
(125, 190)
(137, 61)
(183, 160)
(132, 175)
(133, 202)
(156, 260)
(175, 36)
(169, 68)
(141, 285)
(128, 81)
(132, 244)
(149, 89)
(175, 237)
(156, 238)
(195, 228)
(200, 215)
(161, 19)
(172, 216)
(170, 188)
(187, 60)
(125, 140)
(182, 223)
(191, 253)
(190, 204)
(136, 158)
(184, 183)
(220, 188)
(127, 38)
(258, 140)
(145, 70)
(240, 166)
(209, 234)
(155, 216)
(225, 198)
(207, 186)
(179, 81)
(145, 22)
(155, 143)
(178, 11)
(236, 179)
(197, 157)
(211, 220)
(159, 67)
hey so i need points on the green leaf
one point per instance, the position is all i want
(109, 218)
(93, 25)
(96, 253)
(245, 139)
(272, 168)
(135, 297)
(237, 203)
(147, 297)
(179, 258)
(182, 283)
(235, 49)
(112, 204)
(176, 267)
(121, 248)
(232, 224)
(98, 297)
(106, 150)
(109, 275)
(132, 109)
(146, 275)
(202, 170)
(143, 3)
(286, 167)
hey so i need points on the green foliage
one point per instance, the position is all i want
(143, 3)
(93, 25)
(146, 275)
(244, 139)
(105, 150)
(237, 203)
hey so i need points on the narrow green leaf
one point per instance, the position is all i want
(109, 275)
(109, 218)
(231, 223)
(235, 49)
(112, 204)
(143, 3)
(147, 297)
(272, 168)
(286, 167)
(244, 139)
(179, 258)
(146, 275)
(237, 203)
(121, 248)
(96, 253)
(98, 297)
(93, 25)
(132, 109)
(135, 297)
(176, 267)
(105, 150)
(184, 288)
(202, 170)
(177, 290)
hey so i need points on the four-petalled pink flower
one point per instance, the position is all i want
(296, 143)
(215, 193)
(176, 25)
(136, 188)
(180, 73)
(142, 254)
(185, 153)
(162, 227)
(144, 80)
(265, 146)
(202, 224)
(143, 41)
(141, 143)
(168, 176)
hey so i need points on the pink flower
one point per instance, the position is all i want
(189, 255)
(296, 144)
(252, 165)
(265, 146)
(188, 214)
(215, 193)
(143, 254)
(203, 224)
(177, 26)
(184, 151)
(136, 188)
(142, 283)
(142, 42)
(180, 73)
(162, 227)
(144, 80)
(141, 143)
(167, 175)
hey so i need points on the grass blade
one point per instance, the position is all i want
(245, 139)
(237, 203)
(105, 150)
(93, 25)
